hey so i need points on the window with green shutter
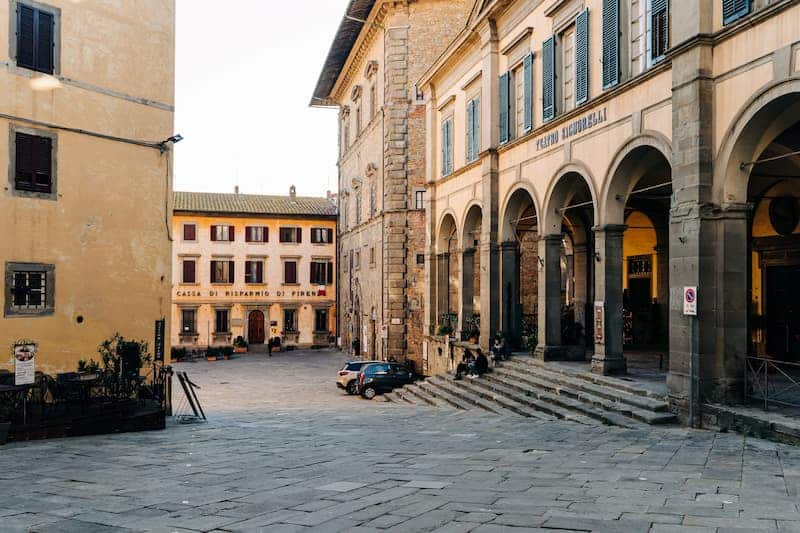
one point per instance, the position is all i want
(527, 74)
(582, 57)
(447, 147)
(734, 9)
(549, 78)
(611, 69)
(473, 129)
(505, 99)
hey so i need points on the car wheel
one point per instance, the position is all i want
(369, 393)
(351, 387)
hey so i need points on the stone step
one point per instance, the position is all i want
(521, 395)
(602, 397)
(424, 398)
(437, 392)
(522, 403)
(453, 389)
(524, 384)
(597, 379)
(403, 396)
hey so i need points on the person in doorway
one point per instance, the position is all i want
(480, 366)
(464, 365)
(356, 347)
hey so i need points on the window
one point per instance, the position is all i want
(189, 271)
(419, 199)
(254, 271)
(29, 289)
(359, 117)
(549, 78)
(473, 130)
(372, 256)
(582, 57)
(321, 320)
(567, 58)
(734, 9)
(222, 272)
(256, 234)
(321, 273)
(36, 38)
(505, 107)
(611, 27)
(420, 259)
(222, 233)
(188, 321)
(373, 101)
(189, 232)
(373, 198)
(290, 320)
(527, 90)
(291, 235)
(447, 147)
(33, 163)
(221, 323)
(358, 207)
(358, 259)
(290, 272)
(657, 30)
(352, 262)
(321, 235)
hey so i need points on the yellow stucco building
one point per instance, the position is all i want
(588, 160)
(259, 267)
(85, 214)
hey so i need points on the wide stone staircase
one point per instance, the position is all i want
(527, 387)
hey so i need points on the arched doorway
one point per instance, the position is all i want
(255, 327)
(520, 270)
(566, 280)
(637, 203)
(447, 276)
(471, 275)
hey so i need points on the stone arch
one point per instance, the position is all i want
(765, 116)
(473, 218)
(561, 191)
(447, 229)
(634, 159)
(518, 199)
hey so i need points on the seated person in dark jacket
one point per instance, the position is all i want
(481, 364)
(464, 365)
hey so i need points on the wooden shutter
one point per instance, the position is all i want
(659, 29)
(582, 57)
(189, 232)
(330, 273)
(213, 275)
(44, 42)
(476, 128)
(505, 86)
(311, 271)
(213, 233)
(248, 234)
(527, 82)
(549, 78)
(299, 234)
(43, 161)
(470, 131)
(231, 275)
(231, 233)
(260, 271)
(188, 271)
(24, 161)
(330, 235)
(266, 233)
(26, 41)
(290, 272)
(610, 43)
(734, 9)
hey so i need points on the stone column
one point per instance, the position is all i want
(608, 358)
(549, 298)
(581, 277)
(662, 288)
(442, 287)
(467, 286)
(511, 311)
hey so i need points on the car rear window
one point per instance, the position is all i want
(353, 366)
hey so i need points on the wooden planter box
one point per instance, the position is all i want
(240, 349)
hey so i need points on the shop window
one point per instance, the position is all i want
(290, 320)
(221, 323)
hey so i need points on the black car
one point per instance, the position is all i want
(382, 377)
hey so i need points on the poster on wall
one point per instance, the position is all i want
(599, 322)
(24, 363)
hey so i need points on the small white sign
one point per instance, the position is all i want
(690, 301)
(24, 364)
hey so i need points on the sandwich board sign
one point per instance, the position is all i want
(690, 301)
(24, 363)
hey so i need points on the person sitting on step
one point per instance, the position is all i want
(464, 365)
(480, 366)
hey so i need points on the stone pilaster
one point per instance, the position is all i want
(510, 309)
(467, 287)
(549, 298)
(608, 357)
(442, 287)
(581, 276)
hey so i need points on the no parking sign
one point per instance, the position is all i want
(690, 301)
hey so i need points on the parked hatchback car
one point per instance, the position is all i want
(382, 377)
(348, 375)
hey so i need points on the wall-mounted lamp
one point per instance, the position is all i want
(541, 262)
(682, 240)
(597, 257)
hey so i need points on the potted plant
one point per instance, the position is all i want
(227, 352)
(239, 345)
(90, 368)
(444, 331)
(212, 353)
(178, 353)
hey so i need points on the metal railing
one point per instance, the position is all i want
(769, 381)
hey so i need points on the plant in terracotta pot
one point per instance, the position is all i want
(178, 353)
(227, 352)
(212, 353)
(239, 345)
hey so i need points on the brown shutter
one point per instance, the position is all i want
(231, 233)
(330, 236)
(330, 273)
(232, 276)
(188, 271)
(248, 234)
(312, 271)
(213, 233)
(213, 272)
(266, 233)
(290, 273)
(299, 234)
(260, 272)
(43, 160)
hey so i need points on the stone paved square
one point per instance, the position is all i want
(284, 450)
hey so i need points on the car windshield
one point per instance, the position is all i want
(374, 369)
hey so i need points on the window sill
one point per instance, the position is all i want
(222, 283)
(290, 284)
(186, 284)
(24, 313)
(255, 284)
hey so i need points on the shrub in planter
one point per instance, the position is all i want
(239, 345)
(178, 353)
(226, 351)
(212, 353)
(444, 331)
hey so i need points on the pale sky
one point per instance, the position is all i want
(245, 72)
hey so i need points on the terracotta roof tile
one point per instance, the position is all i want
(207, 202)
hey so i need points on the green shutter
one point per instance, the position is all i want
(734, 9)
(505, 86)
(470, 132)
(582, 57)
(549, 78)
(447, 147)
(444, 148)
(610, 43)
(476, 127)
(527, 74)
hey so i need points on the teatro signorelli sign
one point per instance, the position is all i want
(571, 129)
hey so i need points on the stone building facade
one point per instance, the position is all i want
(85, 214)
(255, 266)
(380, 50)
(592, 158)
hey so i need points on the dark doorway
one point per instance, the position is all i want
(255, 329)
(783, 312)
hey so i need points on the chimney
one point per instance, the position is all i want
(328, 195)
(292, 191)
(236, 190)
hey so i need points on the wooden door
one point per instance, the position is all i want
(255, 330)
